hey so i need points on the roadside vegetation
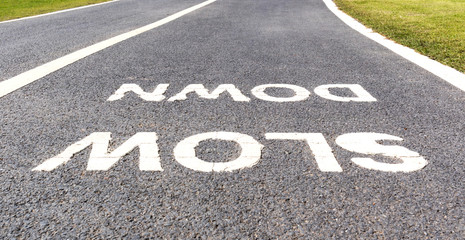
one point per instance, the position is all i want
(435, 28)
(11, 9)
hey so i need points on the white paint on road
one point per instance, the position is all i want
(100, 159)
(30, 76)
(361, 95)
(366, 143)
(200, 90)
(185, 154)
(155, 96)
(316, 141)
(61, 11)
(448, 74)
(300, 93)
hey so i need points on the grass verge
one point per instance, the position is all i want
(11, 9)
(435, 28)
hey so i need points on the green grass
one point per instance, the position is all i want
(435, 28)
(11, 9)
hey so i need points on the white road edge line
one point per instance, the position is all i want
(448, 74)
(60, 11)
(32, 75)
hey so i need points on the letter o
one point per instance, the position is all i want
(184, 152)
(300, 93)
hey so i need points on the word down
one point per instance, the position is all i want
(359, 94)
(100, 159)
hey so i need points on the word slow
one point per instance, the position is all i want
(357, 93)
(366, 143)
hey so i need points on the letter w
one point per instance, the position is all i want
(101, 159)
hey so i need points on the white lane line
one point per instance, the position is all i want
(32, 75)
(61, 11)
(448, 74)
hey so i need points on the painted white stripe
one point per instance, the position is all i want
(448, 74)
(61, 11)
(32, 75)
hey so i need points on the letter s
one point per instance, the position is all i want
(365, 143)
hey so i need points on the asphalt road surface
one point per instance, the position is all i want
(240, 119)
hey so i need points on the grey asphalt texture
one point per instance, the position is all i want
(245, 43)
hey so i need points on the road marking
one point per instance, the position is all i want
(32, 75)
(155, 96)
(102, 159)
(251, 152)
(366, 143)
(361, 95)
(316, 141)
(61, 11)
(300, 93)
(203, 92)
(448, 74)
